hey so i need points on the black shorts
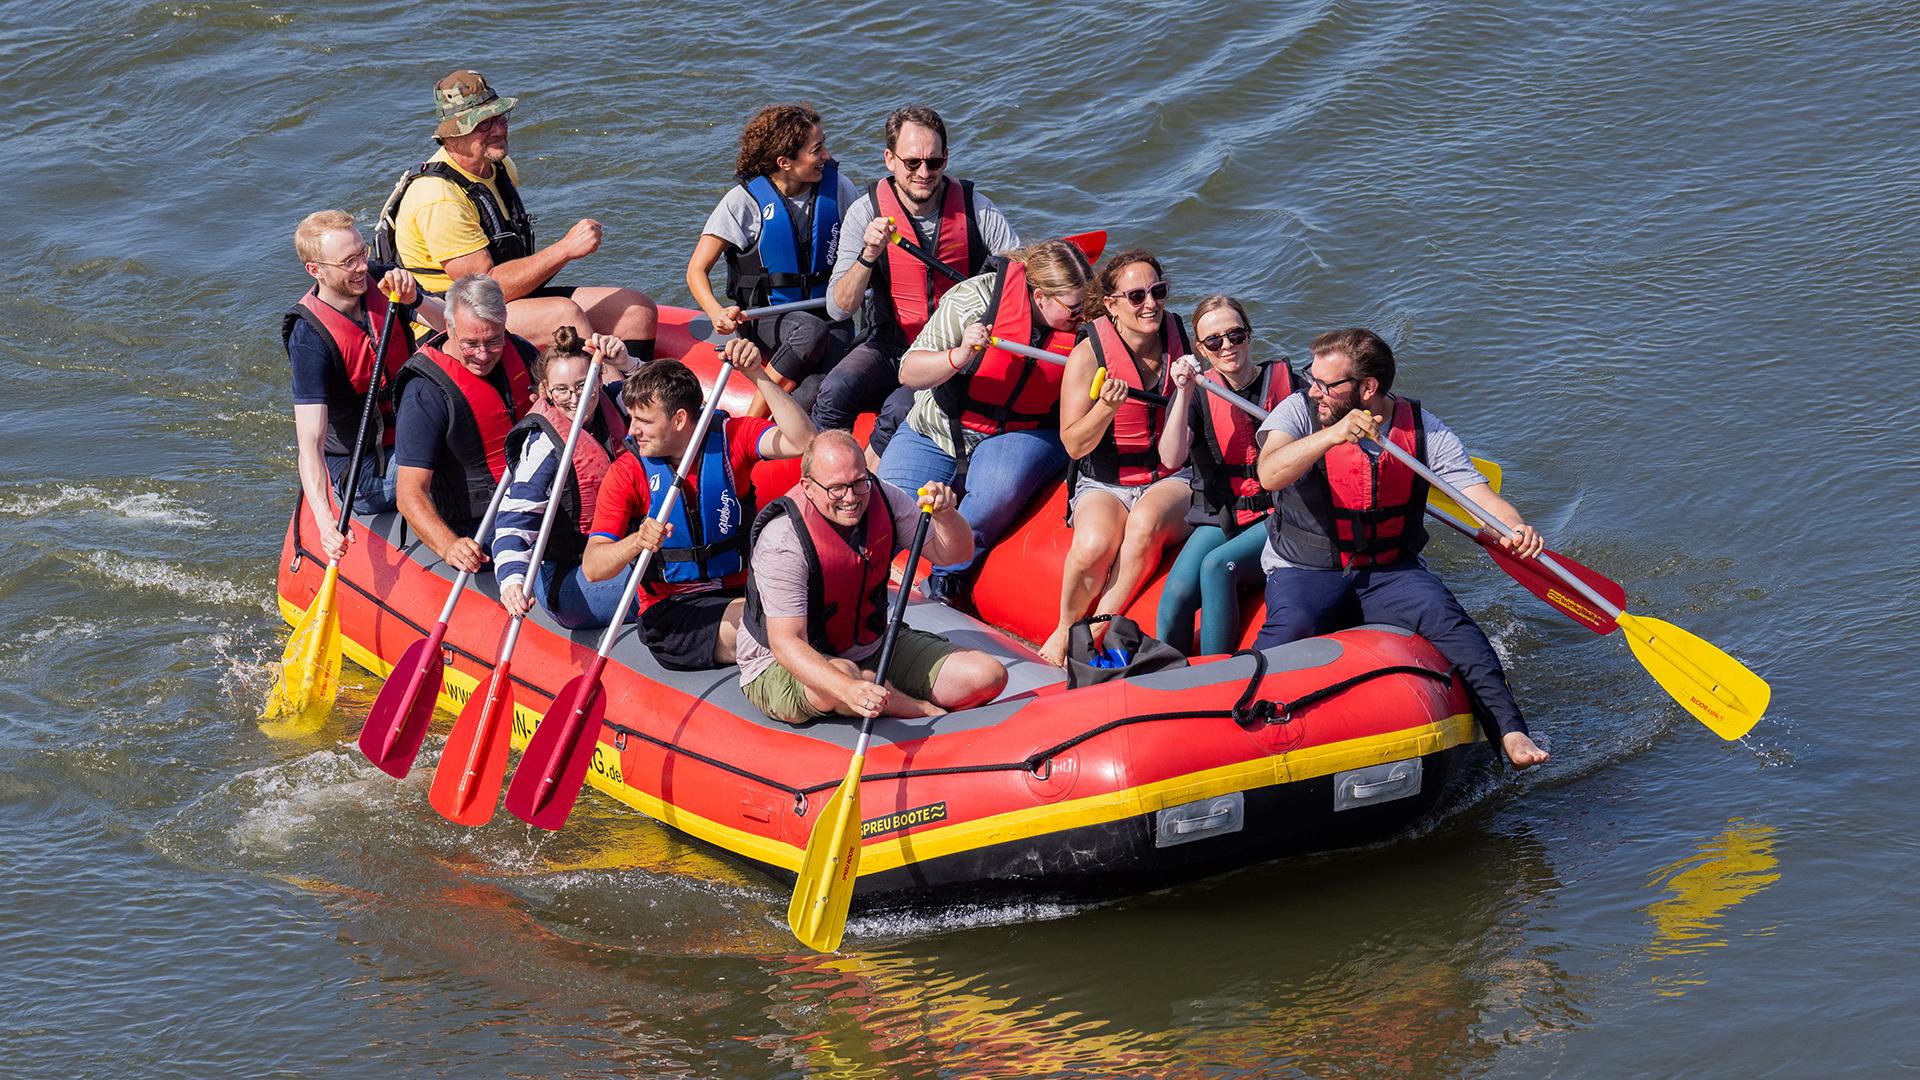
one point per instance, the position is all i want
(682, 630)
(565, 292)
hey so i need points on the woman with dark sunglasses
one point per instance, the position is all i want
(1129, 501)
(983, 419)
(1222, 557)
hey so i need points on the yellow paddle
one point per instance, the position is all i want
(1718, 690)
(300, 700)
(822, 893)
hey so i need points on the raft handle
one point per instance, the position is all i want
(799, 804)
(1042, 769)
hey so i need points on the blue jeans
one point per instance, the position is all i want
(377, 491)
(1303, 602)
(1209, 575)
(1003, 472)
(579, 604)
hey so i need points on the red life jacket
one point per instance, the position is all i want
(592, 457)
(905, 292)
(1226, 488)
(1000, 391)
(846, 585)
(1126, 453)
(478, 419)
(351, 345)
(1352, 510)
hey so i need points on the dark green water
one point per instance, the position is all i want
(1657, 261)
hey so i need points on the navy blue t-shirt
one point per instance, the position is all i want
(420, 424)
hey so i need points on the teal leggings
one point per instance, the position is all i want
(1209, 575)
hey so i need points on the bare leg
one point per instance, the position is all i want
(537, 317)
(1159, 518)
(1098, 524)
(723, 646)
(968, 678)
(627, 314)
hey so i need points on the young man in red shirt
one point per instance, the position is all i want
(690, 602)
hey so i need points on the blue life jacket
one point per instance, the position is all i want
(793, 260)
(712, 545)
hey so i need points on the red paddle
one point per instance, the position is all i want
(404, 710)
(554, 765)
(1536, 579)
(466, 785)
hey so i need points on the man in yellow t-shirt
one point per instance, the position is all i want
(459, 213)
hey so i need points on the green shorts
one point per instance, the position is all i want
(917, 659)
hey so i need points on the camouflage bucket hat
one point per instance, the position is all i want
(462, 100)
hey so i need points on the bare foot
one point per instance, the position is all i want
(1054, 649)
(1521, 750)
(907, 706)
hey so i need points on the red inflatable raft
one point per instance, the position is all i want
(1048, 792)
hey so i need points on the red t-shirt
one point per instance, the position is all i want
(624, 502)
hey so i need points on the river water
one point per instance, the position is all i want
(1658, 261)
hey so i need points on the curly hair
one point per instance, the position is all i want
(775, 132)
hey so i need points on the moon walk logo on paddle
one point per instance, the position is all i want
(904, 819)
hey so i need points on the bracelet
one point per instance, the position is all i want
(866, 262)
(950, 362)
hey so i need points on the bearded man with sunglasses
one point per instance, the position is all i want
(817, 598)
(1344, 546)
(942, 215)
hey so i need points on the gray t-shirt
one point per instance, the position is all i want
(737, 219)
(780, 574)
(994, 230)
(1445, 455)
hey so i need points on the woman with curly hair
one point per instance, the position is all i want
(778, 228)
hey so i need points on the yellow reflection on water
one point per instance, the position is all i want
(1725, 871)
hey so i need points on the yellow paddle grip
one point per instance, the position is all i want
(1099, 380)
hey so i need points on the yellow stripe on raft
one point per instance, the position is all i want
(897, 851)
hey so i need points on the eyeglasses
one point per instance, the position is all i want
(1235, 336)
(1136, 297)
(491, 122)
(915, 164)
(555, 393)
(482, 345)
(1325, 388)
(356, 261)
(843, 492)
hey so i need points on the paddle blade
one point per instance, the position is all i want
(817, 914)
(1091, 244)
(1541, 583)
(1717, 689)
(555, 763)
(466, 785)
(402, 713)
(300, 700)
(1438, 499)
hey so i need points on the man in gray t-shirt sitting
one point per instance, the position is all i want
(942, 215)
(817, 598)
(1347, 535)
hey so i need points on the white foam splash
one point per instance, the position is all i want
(154, 506)
(153, 574)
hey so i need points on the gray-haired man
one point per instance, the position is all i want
(450, 429)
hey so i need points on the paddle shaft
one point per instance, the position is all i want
(1032, 353)
(352, 485)
(894, 620)
(589, 401)
(577, 705)
(927, 257)
(1260, 414)
(781, 309)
